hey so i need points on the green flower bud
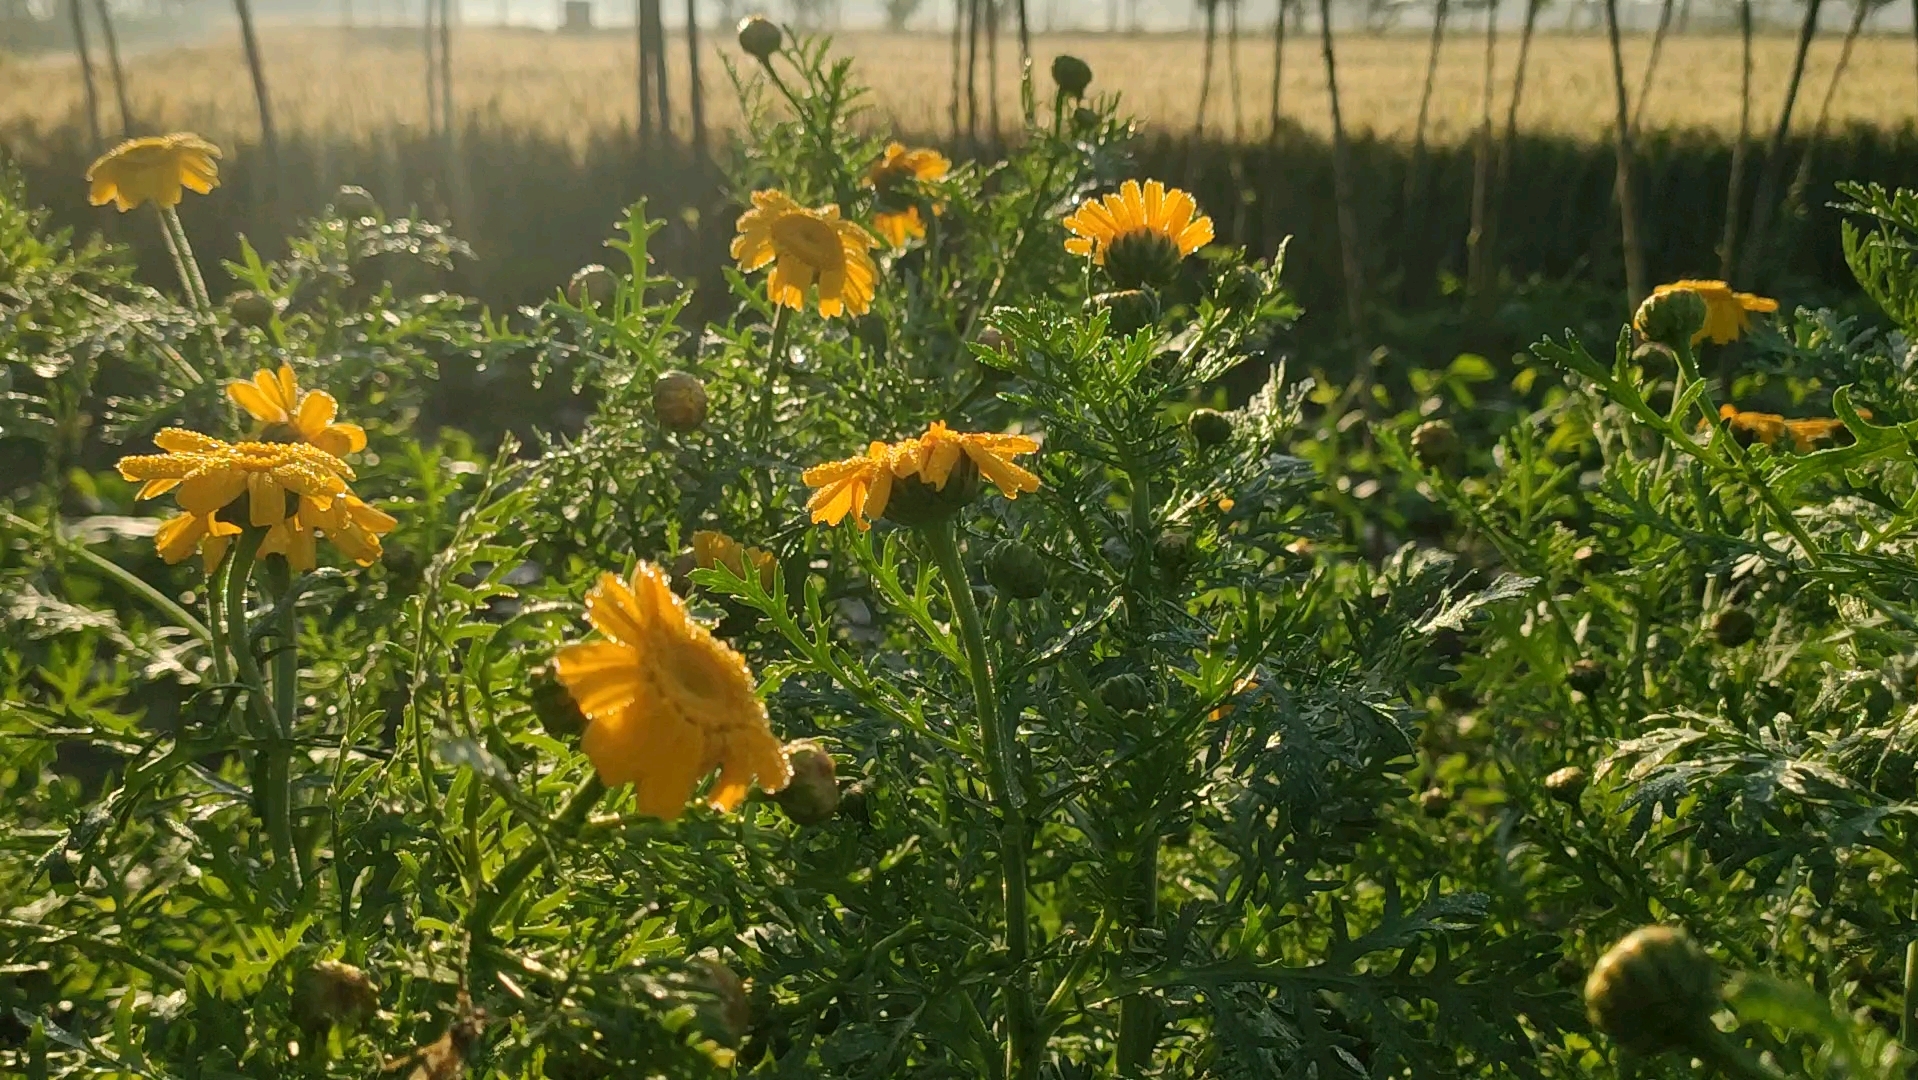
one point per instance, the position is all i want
(1586, 676)
(1566, 784)
(679, 401)
(1071, 74)
(1671, 318)
(812, 796)
(1085, 119)
(855, 803)
(1434, 802)
(725, 1011)
(558, 713)
(1239, 288)
(1733, 627)
(592, 283)
(1126, 693)
(249, 308)
(1172, 551)
(1435, 444)
(333, 993)
(1209, 427)
(759, 37)
(1654, 991)
(1016, 570)
(1129, 311)
(353, 203)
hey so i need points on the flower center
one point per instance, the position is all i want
(810, 240)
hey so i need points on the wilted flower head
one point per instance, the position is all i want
(1139, 234)
(1727, 313)
(155, 169)
(287, 414)
(807, 249)
(666, 702)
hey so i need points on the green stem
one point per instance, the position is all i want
(1022, 1058)
(286, 696)
(270, 777)
(1139, 1014)
(1730, 1059)
(507, 883)
(189, 265)
(1910, 1000)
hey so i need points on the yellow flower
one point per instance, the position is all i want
(864, 486)
(712, 549)
(1139, 234)
(1770, 428)
(291, 489)
(807, 248)
(288, 415)
(153, 170)
(894, 179)
(859, 486)
(1727, 313)
(665, 702)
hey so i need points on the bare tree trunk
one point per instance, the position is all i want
(113, 65)
(86, 71)
(1508, 142)
(1635, 287)
(1415, 174)
(654, 112)
(1774, 166)
(972, 72)
(697, 93)
(446, 74)
(1348, 218)
(959, 62)
(1795, 197)
(662, 96)
(992, 67)
(1684, 16)
(255, 65)
(1205, 76)
(1651, 65)
(432, 67)
(1278, 66)
(1025, 41)
(1478, 267)
(1232, 69)
(1734, 194)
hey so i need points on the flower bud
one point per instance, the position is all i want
(1566, 784)
(1733, 627)
(1239, 288)
(812, 796)
(759, 37)
(1434, 802)
(1172, 551)
(1671, 318)
(1071, 74)
(679, 401)
(1209, 427)
(1435, 444)
(1654, 991)
(1129, 311)
(333, 993)
(855, 803)
(352, 203)
(592, 283)
(558, 713)
(1586, 676)
(1126, 693)
(1085, 119)
(725, 1011)
(1017, 571)
(249, 308)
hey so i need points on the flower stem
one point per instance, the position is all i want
(270, 775)
(1022, 1058)
(507, 883)
(188, 267)
(286, 695)
(1910, 1000)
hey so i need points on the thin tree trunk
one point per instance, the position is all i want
(113, 65)
(1348, 218)
(1205, 76)
(446, 73)
(697, 93)
(1232, 69)
(1508, 142)
(1478, 266)
(1415, 174)
(1734, 194)
(1773, 169)
(86, 71)
(1684, 16)
(255, 65)
(662, 96)
(1025, 41)
(1651, 65)
(1278, 65)
(972, 72)
(1795, 197)
(992, 67)
(432, 68)
(959, 60)
(1914, 26)
(652, 106)
(1622, 138)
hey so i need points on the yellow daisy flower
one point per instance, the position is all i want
(859, 486)
(931, 458)
(712, 549)
(154, 170)
(666, 702)
(865, 486)
(894, 178)
(1727, 313)
(807, 249)
(288, 415)
(291, 489)
(1139, 234)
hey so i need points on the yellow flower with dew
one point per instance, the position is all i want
(666, 702)
(1727, 313)
(894, 179)
(156, 170)
(1140, 233)
(810, 250)
(288, 414)
(865, 486)
(712, 549)
(291, 489)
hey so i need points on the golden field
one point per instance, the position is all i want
(346, 83)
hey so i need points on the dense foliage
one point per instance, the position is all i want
(1318, 736)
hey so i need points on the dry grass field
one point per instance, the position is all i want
(348, 83)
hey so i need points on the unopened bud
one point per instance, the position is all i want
(1733, 627)
(593, 284)
(249, 308)
(759, 37)
(1671, 318)
(1129, 311)
(1586, 676)
(1238, 288)
(1566, 784)
(1209, 427)
(1071, 74)
(725, 1011)
(679, 401)
(333, 993)
(1654, 991)
(1126, 693)
(1435, 444)
(812, 796)
(1016, 570)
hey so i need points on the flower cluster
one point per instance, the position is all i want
(864, 486)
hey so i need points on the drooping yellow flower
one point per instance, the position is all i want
(666, 702)
(286, 414)
(894, 179)
(865, 486)
(1771, 429)
(155, 170)
(712, 549)
(808, 249)
(1140, 233)
(860, 486)
(291, 490)
(1727, 313)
